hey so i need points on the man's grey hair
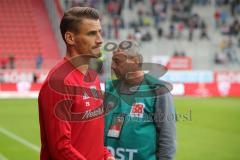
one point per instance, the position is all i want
(133, 50)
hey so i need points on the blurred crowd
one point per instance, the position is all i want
(144, 20)
(228, 52)
(148, 20)
(8, 61)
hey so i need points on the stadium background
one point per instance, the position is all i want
(197, 40)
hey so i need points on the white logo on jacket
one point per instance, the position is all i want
(137, 110)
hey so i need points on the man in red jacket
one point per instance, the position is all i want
(70, 113)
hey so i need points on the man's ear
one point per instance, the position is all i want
(69, 37)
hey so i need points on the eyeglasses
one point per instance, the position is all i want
(112, 46)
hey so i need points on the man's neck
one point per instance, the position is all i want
(131, 83)
(78, 61)
(134, 78)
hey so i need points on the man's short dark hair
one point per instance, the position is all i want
(74, 16)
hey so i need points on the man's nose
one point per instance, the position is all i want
(99, 39)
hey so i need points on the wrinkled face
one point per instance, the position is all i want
(88, 40)
(122, 64)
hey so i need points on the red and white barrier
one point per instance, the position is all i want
(198, 83)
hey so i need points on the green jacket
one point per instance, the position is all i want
(130, 130)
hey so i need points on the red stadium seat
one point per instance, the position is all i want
(26, 31)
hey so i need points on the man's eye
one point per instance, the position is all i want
(92, 33)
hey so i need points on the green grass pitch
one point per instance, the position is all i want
(212, 133)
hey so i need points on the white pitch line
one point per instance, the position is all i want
(2, 157)
(19, 139)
